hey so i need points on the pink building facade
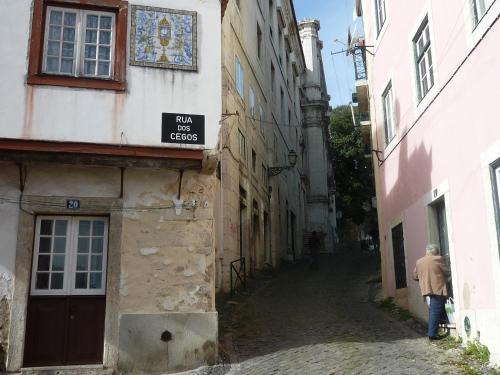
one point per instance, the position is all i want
(433, 90)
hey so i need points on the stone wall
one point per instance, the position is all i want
(9, 193)
(160, 284)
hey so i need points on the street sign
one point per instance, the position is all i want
(183, 128)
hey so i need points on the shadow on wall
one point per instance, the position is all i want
(411, 181)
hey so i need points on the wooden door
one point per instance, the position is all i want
(66, 307)
(398, 249)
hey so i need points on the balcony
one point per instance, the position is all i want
(359, 60)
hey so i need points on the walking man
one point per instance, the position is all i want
(432, 273)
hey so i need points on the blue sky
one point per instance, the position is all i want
(335, 17)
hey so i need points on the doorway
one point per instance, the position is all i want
(243, 222)
(398, 249)
(66, 304)
(439, 233)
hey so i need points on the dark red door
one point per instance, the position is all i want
(45, 332)
(64, 331)
(85, 330)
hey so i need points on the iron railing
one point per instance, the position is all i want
(359, 58)
(240, 273)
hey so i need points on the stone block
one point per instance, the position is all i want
(159, 343)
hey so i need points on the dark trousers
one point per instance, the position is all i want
(437, 314)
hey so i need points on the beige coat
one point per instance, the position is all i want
(432, 273)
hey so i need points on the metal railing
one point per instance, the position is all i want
(240, 273)
(359, 59)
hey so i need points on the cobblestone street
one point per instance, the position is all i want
(322, 322)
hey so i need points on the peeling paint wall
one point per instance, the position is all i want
(167, 259)
(115, 117)
(166, 266)
(9, 187)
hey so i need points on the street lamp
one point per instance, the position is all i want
(292, 160)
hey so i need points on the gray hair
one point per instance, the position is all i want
(432, 249)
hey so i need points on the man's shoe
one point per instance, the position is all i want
(435, 338)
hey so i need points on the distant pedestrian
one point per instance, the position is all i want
(314, 245)
(432, 272)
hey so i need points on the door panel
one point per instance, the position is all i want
(86, 330)
(399, 256)
(45, 332)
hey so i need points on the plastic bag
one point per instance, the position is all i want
(450, 310)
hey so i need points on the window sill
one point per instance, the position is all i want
(86, 83)
(389, 147)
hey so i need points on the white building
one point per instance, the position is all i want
(319, 169)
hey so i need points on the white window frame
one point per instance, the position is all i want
(479, 9)
(380, 14)
(70, 260)
(423, 56)
(79, 42)
(388, 112)
(239, 77)
(251, 101)
(496, 192)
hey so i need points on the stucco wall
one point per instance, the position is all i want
(133, 117)
(165, 272)
(167, 259)
(447, 136)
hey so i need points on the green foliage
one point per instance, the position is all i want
(477, 351)
(399, 312)
(387, 303)
(353, 170)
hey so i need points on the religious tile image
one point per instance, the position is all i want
(163, 38)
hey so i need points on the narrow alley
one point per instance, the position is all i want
(322, 322)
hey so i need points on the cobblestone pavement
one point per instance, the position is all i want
(321, 322)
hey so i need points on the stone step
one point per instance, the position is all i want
(67, 370)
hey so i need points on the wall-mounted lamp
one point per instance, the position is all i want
(292, 160)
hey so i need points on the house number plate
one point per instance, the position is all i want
(73, 204)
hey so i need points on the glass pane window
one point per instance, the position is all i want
(423, 60)
(380, 14)
(239, 77)
(480, 7)
(251, 99)
(69, 256)
(97, 45)
(50, 248)
(496, 195)
(72, 33)
(90, 253)
(389, 122)
(60, 41)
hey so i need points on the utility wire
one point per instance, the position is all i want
(187, 205)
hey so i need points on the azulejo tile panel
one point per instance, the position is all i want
(163, 38)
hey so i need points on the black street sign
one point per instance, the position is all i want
(183, 128)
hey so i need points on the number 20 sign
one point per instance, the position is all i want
(73, 204)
